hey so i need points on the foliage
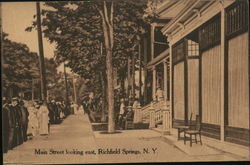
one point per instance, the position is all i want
(20, 66)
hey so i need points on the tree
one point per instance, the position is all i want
(78, 28)
(21, 67)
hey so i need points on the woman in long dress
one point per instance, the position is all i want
(33, 124)
(43, 118)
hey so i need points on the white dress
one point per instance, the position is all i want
(33, 124)
(43, 114)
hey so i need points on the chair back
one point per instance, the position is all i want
(198, 123)
(190, 120)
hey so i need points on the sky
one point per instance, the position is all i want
(16, 16)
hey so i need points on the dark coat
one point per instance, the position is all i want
(24, 115)
(6, 126)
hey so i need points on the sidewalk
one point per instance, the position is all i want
(210, 146)
(73, 136)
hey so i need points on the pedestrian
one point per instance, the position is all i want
(12, 126)
(85, 107)
(18, 137)
(57, 112)
(43, 119)
(24, 120)
(91, 110)
(128, 116)
(33, 119)
(121, 113)
(51, 113)
(6, 124)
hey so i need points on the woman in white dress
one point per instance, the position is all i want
(33, 124)
(43, 118)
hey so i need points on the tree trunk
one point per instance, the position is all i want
(107, 25)
(104, 95)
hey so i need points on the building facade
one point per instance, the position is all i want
(204, 69)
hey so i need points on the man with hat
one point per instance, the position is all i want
(6, 124)
(51, 112)
(24, 119)
(16, 123)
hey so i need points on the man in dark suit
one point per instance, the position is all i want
(6, 124)
(24, 120)
(13, 124)
(51, 112)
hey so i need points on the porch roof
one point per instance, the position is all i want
(158, 59)
(190, 9)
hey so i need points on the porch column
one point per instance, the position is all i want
(171, 83)
(165, 79)
(222, 108)
(154, 83)
(152, 39)
(166, 118)
(151, 116)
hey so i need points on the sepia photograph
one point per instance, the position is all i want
(125, 81)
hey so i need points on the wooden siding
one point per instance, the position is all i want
(179, 91)
(211, 84)
(238, 87)
(193, 88)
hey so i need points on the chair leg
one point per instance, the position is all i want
(190, 140)
(184, 137)
(200, 138)
(178, 133)
(195, 139)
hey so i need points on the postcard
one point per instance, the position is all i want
(115, 81)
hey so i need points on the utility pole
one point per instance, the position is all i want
(74, 88)
(41, 54)
(66, 85)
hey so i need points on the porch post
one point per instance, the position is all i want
(171, 107)
(222, 108)
(151, 116)
(165, 79)
(154, 83)
(152, 39)
(166, 118)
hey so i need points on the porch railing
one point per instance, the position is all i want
(145, 113)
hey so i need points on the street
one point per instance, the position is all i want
(73, 141)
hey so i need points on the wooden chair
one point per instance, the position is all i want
(193, 132)
(182, 128)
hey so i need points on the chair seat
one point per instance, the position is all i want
(182, 127)
(192, 131)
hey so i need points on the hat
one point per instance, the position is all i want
(14, 99)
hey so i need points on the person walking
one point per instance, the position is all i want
(12, 126)
(6, 124)
(33, 119)
(121, 113)
(51, 113)
(43, 119)
(24, 120)
(18, 138)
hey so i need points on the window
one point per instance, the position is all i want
(178, 51)
(209, 33)
(236, 18)
(160, 42)
(193, 48)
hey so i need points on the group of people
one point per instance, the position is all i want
(126, 113)
(23, 120)
(58, 110)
